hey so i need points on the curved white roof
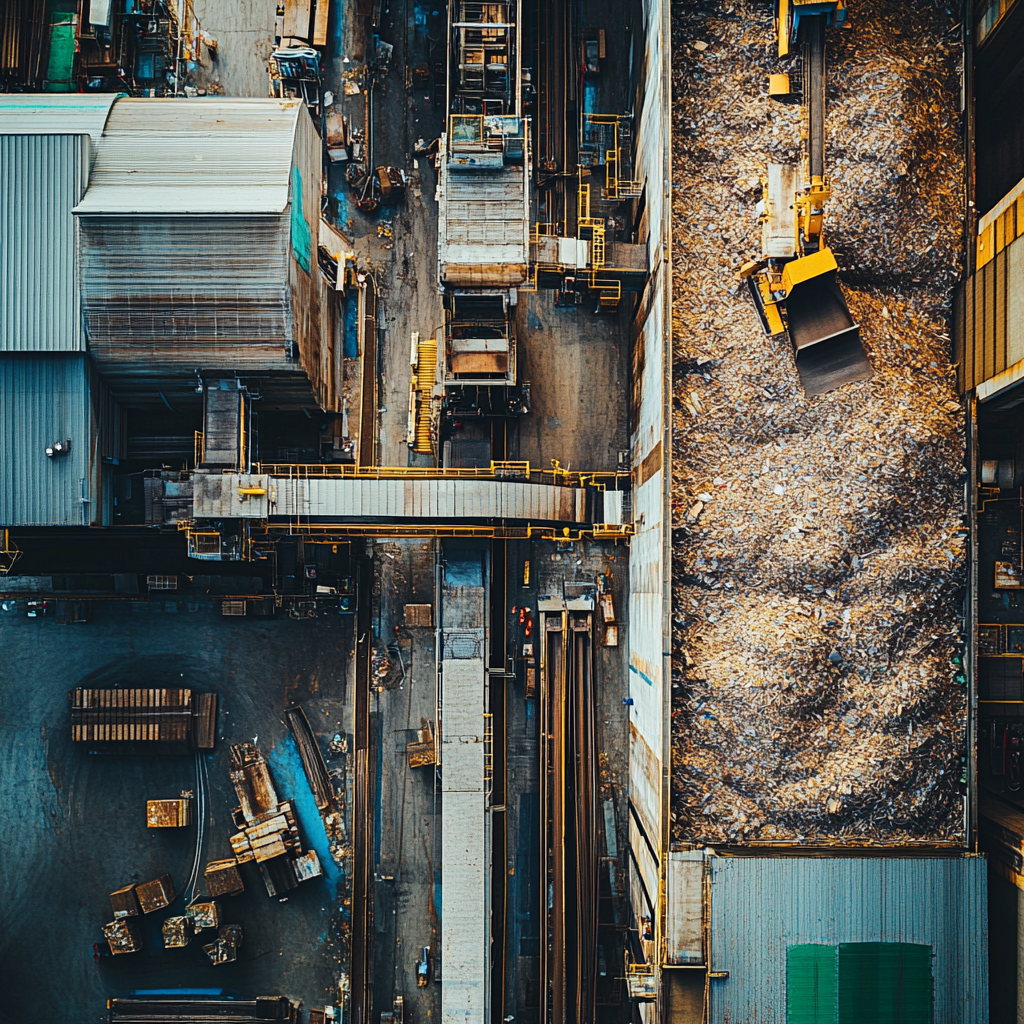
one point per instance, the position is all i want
(55, 113)
(177, 156)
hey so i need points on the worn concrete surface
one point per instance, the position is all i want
(244, 31)
(75, 826)
(408, 843)
(405, 265)
(578, 367)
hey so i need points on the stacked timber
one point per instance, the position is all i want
(269, 833)
(160, 720)
(313, 763)
(202, 1010)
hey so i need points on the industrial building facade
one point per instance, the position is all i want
(988, 320)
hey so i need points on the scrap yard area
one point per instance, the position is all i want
(819, 551)
(512, 511)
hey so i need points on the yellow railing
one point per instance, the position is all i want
(343, 470)
(516, 471)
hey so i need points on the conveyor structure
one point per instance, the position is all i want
(229, 509)
(483, 210)
(464, 727)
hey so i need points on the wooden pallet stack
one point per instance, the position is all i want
(169, 720)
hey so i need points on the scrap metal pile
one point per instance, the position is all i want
(819, 555)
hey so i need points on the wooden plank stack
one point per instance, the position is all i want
(171, 720)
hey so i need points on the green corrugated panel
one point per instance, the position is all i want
(885, 983)
(301, 242)
(62, 53)
(811, 984)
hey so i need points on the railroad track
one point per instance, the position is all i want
(362, 811)
(568, 794)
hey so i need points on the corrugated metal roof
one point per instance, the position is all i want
(760, 906)
(43, 177)
(50, 114)
(44, 398)
(483, 223)
(166, 156)
(465, 855)
(160, 293)
(216, 496)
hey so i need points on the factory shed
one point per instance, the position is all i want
(843, 938)
(48, 399)
(197, 248)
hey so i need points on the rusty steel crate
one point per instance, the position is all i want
(124, 903)
(123, 936)
(178, 932)
(168, 813)
(223, 878)
(155, 895)
(204, 915)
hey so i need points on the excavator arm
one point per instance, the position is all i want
(794, 284)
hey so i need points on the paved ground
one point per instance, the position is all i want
(405, 265)
(244, 31)
(75, 824)
(578, 367)
(407, 842)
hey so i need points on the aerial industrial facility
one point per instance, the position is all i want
(512, 511)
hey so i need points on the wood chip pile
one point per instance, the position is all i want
(819, 555)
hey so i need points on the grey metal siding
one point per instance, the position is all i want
(762, 905)
(42, 178)
(45, 398)
(164, 295)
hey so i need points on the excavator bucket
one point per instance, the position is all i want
(825, 340)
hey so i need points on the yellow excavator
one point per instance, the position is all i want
(793, 283)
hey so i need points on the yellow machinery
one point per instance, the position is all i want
(793, 283)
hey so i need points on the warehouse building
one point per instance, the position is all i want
(988, 335)
(150, 246)
(61, 430)
(61, 433)
(790, 938)
(172, 240)
(198, 248)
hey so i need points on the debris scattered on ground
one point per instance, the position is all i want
(819, 554)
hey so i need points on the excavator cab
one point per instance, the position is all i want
(789, 14)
